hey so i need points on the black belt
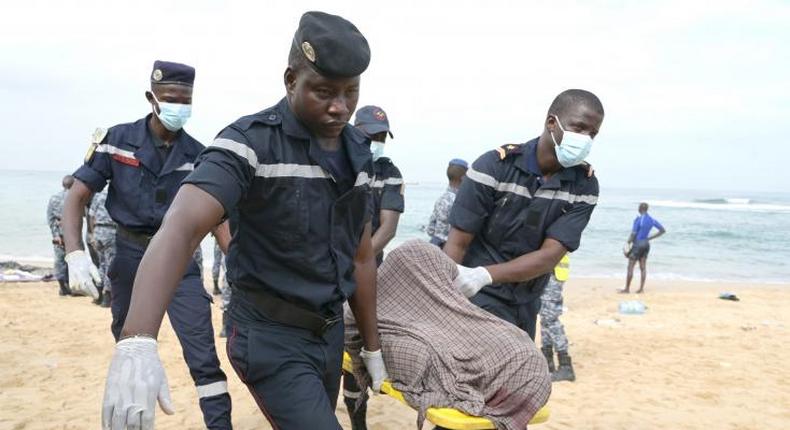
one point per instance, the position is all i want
(287, 313)
(137, 238)
(105, 225)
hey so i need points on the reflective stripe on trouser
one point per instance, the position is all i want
(190, 316)
(523, 316)
(293, 375)
(552, 333)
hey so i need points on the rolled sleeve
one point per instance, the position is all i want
(96, 171)
(475, 199)
(568, 228)
(657, 224)
(225, 169)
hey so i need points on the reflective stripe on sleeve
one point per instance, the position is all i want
(389, 181)
(237, 148)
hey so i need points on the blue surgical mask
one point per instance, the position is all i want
(377, 149)
(172, 115)
(574, 149)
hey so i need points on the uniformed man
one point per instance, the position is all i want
(387, 182)
(103, 241)
(388, 204)
(522, 207)
(294, 180)
(552, 333)
(54, 215)
(438, 228)
(145, 162)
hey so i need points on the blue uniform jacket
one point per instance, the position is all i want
(505, 203)
(141, 188)
(295, 232)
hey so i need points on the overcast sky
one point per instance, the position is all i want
(697, 94)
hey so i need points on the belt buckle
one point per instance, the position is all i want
(329, 323)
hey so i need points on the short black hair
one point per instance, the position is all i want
(296, 59)
(644, 206)
(455, 172)
(573, 97)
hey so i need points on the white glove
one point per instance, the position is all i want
(83, 274)
(471, 279)
(135, 381)
(374, 363)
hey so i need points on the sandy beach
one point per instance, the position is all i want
(692, 362)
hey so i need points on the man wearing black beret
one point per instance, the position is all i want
(294, 181)
(144, 163)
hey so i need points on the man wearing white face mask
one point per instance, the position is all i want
(387, 181)
(522, 207)
(144, 163)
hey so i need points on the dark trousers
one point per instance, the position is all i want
(190, 316)
(357, 410)
(522, 315)
(293, 374)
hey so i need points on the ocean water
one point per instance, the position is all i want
(711, 235)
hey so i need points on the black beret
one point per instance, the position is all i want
(166, 72)
(333, 46)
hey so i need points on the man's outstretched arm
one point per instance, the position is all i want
(363, 305)
(193, 214)
(530, 265)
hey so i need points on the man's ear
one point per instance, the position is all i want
(289, 79)
(551, 123)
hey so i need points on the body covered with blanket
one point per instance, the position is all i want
(443, 351)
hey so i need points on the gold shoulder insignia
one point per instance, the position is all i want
(99, 135)
(502, 153)
(97, 138)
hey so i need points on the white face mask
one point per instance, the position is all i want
(377, 149)
(172, 115)
(574, 148)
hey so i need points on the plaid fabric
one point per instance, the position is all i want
(443, 351)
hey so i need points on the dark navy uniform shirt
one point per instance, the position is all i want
(511, 210)
(388, 188)
(142, 182)
(295, 230)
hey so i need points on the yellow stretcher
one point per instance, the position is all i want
(446, 417)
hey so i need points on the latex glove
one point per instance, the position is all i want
(471, 279)
(374, 363)
(135, 381)
(83, 274)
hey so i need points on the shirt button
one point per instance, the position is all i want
(272, 117)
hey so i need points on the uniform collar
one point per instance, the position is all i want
(291, 125)
(529, 164)
(355, 143)
(142, 138)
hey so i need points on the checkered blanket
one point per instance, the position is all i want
(443, 351)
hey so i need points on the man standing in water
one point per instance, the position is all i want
(640, 239)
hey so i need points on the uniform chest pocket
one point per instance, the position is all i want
(129, 183)
(504, 220)
(283, 209)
